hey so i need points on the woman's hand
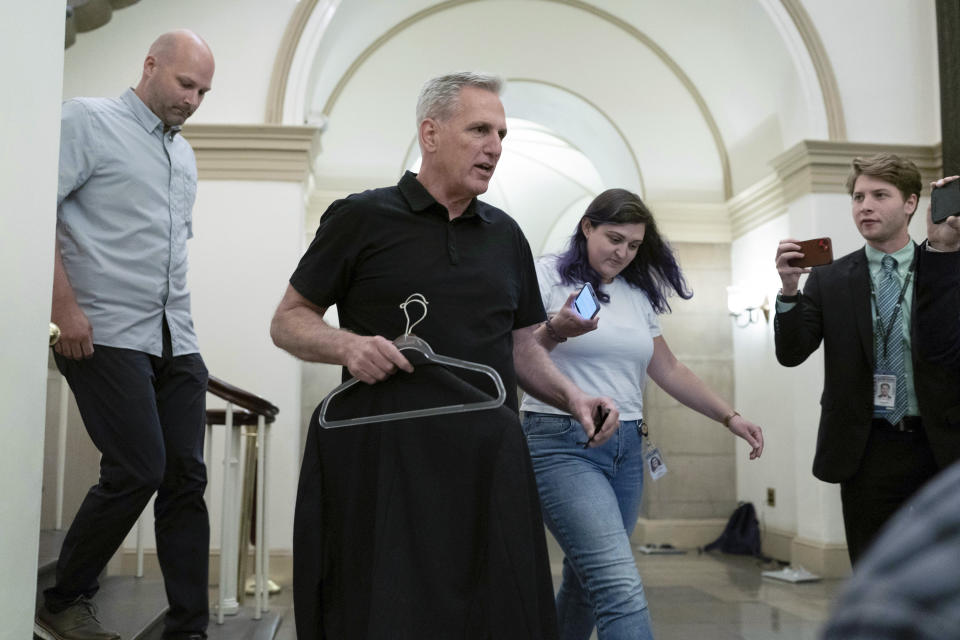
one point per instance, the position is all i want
(568, 323)
(750, 432)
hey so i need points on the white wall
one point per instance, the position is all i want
(244, 36)
(884, 55)
(30, 130)
(248, 237)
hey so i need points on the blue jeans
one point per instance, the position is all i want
(590, 500)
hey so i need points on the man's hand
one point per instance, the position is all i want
(750, 432)
(946, 235)
(585, 409)
(568, 323)
(789, 276)
(76, 333)
(372, 359)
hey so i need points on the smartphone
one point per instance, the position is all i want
(586, 303)
(816, 252)
(945, 201)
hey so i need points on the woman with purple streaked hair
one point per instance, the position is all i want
(591, 494)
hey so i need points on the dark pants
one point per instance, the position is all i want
(146, 415)
(894, 466)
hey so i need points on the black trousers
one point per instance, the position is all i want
(894, 466)
(146, 415)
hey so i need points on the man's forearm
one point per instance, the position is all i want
(63, 294)
(538, 375)
(304, 334)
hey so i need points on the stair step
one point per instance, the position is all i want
(134, 607)
(131, 606)
(241, 626)
(50, 542)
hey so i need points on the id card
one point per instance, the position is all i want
(884, 391)
(653, 461)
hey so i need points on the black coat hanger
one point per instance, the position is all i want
(408, 341)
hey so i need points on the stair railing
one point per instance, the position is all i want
(253, 410)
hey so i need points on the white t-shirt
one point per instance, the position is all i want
(612, 360)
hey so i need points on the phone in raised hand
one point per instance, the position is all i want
(816, 252)
(945, 202)
(586, 303)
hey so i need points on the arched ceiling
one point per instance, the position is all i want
(701, 95)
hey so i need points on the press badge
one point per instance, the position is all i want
(652, 458)
(884, 391)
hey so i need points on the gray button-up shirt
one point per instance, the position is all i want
(124, 214)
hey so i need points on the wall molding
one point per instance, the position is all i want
(762, 201)
(819, 166)
(826, 559)
(816, 166)
(681, 533)
(692, 221)
(280, 153)
(776, 543)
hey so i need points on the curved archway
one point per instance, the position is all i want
(606, 16)
(287, 96)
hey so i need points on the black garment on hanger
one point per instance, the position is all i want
(419, 529)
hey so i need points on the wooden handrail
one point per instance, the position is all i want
(244, 399)
(241, 417)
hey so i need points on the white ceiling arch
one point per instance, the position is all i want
(412, 20)
(586, 127)
(731, 86)
(295, 61)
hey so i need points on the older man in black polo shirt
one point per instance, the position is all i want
(430, 235)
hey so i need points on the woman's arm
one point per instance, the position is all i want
(680, 382)
(564, 324)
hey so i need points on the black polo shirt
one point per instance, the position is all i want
(375, 248)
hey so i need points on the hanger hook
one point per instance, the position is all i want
(420, 299)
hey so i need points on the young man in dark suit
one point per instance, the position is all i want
(861, 307)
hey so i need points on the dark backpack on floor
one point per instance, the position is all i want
(742, 533)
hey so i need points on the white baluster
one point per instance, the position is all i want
(62, 448)
(227, 603)
(139, 573)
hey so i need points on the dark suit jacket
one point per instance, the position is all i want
(421, 528)
(835, 308)
(938, 308)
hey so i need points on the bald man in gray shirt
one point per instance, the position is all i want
(128, 348)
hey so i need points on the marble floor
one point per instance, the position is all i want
(703, 597)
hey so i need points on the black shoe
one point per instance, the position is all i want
(76, 622)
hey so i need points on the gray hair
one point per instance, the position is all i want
(439, 95)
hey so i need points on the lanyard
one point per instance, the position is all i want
(879, 328)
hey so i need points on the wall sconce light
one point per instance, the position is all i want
(746, 305)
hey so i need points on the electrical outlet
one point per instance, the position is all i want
(771, 497)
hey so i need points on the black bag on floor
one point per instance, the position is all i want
(741, 536)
